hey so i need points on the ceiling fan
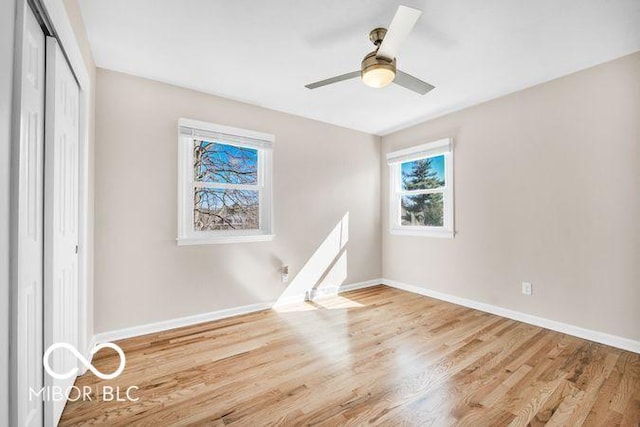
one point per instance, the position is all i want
(378, 68)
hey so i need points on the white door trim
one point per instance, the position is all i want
(56, 18)
(27, 220)
(59, 21)
(61, 214)
(61, 24)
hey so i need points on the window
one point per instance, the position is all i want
(421, 182)
(225, 184)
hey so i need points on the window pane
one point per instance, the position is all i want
(217, 209)
(422, 210)
(423, 174)
(226, 164)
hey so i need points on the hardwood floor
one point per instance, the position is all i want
(377, 355)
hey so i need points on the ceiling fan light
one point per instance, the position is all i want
(377, 72)
(378, 77)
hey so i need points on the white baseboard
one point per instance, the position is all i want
(333, 291)
(166, 325)
(577, 331)
(361, 285)
(600, 337)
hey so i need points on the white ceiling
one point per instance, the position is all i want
(264, 52)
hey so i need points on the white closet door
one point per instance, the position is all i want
(61, 222)
(30, 223)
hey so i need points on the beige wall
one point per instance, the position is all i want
(321, 172)
(75, 17)
(547, 190)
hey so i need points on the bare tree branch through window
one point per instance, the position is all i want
(225, 207)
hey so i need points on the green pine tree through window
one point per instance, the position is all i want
(422, 209)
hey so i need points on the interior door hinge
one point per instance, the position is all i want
(76, 249)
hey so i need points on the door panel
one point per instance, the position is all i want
(61, 221)
(30, 223)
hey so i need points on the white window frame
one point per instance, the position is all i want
(194, 130)
(424, 151)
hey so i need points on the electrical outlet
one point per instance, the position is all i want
(527, 288)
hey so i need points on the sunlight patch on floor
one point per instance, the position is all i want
(294, 307)
(335, 302)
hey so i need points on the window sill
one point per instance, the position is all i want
(444, 234)
(189, 241)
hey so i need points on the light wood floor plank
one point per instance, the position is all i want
(373, 356)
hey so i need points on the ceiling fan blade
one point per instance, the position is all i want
(400, 27)
(412, 83)
(332, 80)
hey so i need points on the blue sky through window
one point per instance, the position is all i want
(226, 164)
(437, 165)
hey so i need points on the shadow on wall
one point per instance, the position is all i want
(325, 271)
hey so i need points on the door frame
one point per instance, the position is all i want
(52, 15)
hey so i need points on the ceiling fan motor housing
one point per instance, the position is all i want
(371, 62)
